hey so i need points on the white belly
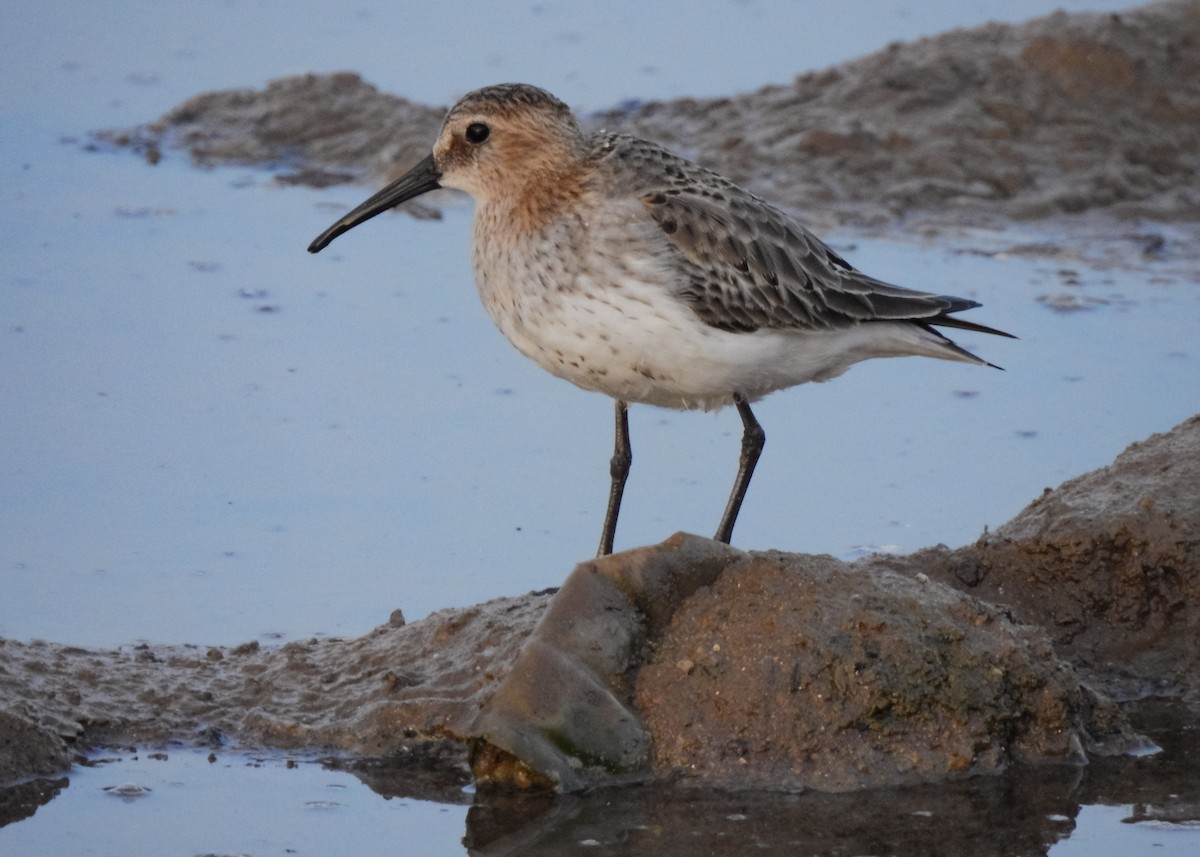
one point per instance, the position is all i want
(610, 321)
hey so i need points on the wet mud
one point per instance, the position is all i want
(1108, 563)
(1059, 115)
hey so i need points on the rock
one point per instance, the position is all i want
(562, 717)
(808, 673)
(1108, 563)
(817, 674)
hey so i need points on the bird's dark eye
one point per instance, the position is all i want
(477, 132)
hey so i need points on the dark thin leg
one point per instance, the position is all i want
(619, 468)
(753, 439)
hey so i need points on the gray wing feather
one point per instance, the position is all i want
(749, 265)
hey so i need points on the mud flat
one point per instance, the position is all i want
(1059, 115)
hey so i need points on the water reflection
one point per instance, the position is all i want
(1026, 811)
(1147, 804)
(21, 800)
(1020, 813)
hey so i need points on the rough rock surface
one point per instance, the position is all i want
(779, 671)
(1057, 115)
(1108, 563)
(806, 672)
(563, 717)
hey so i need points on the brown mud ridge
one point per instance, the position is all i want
(693, 662)
(1058, 115)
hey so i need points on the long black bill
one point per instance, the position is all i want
(422, 178)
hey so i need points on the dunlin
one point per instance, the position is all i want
(628, 270)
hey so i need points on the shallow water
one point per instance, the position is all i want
(136, 803)
(211, 436)
(207, 435)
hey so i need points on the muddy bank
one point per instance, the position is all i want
(1108, 563)
(1097, 578)
(367, 696)
(1058, 115)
